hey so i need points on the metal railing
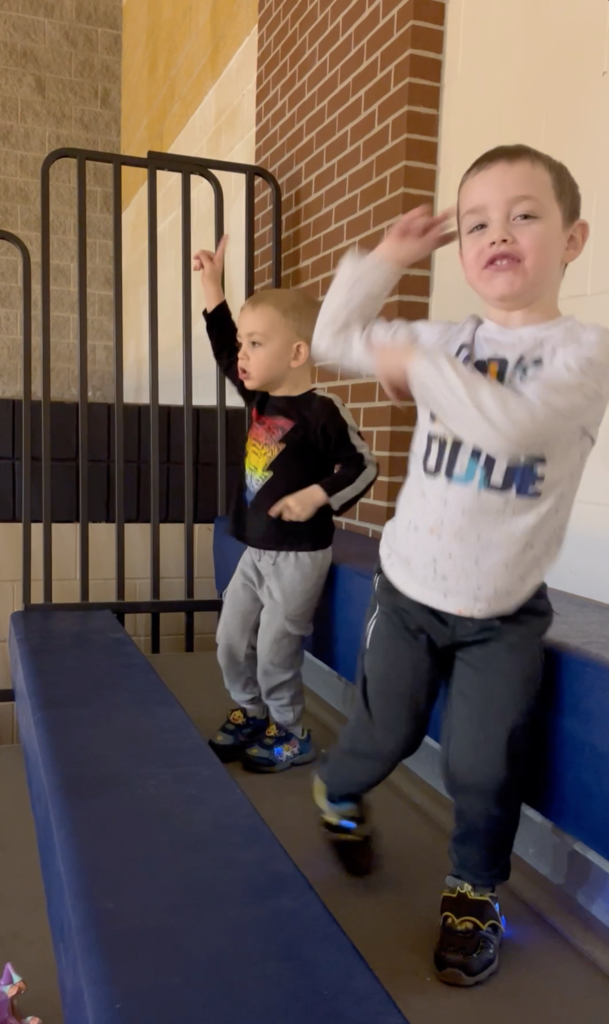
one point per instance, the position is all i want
(186, 167)
(26, 411)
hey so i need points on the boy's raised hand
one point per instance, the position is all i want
(211, 265)
(415, 236)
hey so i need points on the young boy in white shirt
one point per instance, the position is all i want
(509, 408)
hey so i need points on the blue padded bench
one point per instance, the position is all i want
(570, 781)
(169, 898)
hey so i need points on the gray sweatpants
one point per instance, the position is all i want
(494, 670)
(268, 610)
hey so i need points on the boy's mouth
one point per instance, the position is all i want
(502, 260)
(244, 374)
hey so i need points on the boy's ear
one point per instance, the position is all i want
(300, 354)
(578, 235)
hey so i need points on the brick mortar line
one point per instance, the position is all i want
(302, 84)
(291, 28)
(380, 152)
(400, 191)
(423, 24)
(356, 24)
(290, 109)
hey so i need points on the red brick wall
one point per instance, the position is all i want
(347, 118)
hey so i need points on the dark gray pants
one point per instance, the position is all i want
(494, 669)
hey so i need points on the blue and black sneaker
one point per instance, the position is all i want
(237, 733)
(279, 749)
(471, 931)
(346, 827)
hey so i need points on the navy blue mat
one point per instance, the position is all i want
(570, 780)
(169, 898)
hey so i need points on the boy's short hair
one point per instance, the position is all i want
(298, 309)
(565, 186)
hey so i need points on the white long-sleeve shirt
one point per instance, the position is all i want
(506, 421)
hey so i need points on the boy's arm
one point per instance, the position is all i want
(347, 328)
(221, 328)
(357, 468)
(347, 331)
(222, 334)
(569, 392)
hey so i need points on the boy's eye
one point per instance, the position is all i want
(476, 227)
(525, 216)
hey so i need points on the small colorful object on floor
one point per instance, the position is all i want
(12, 986)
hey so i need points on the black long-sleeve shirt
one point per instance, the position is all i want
(294, 441)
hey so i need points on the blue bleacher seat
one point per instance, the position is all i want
(169, 898)
(569, 781)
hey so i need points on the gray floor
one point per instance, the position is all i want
(391, 917)
(25, 938)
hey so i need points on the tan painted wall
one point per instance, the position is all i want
(173, 53)
(538, 73)
(223, 126)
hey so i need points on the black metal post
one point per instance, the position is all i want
(189, 558)
(26, 429)
(119, 410)
(153, 327)
(250, 232)
(45, 286)
(26, 413)
(83, 381)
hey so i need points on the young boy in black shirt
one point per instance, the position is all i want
(305, 462)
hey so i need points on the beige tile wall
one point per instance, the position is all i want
(60, 72)
(551, 93)
(101, 536)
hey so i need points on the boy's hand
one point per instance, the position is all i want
(211, 265)
(415, 236)
(391, 366)
(300, 506)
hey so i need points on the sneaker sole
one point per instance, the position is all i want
(356, 853)
(226, 754)
(452, 976)
(261, 769)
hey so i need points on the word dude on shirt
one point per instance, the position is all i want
(459, 463)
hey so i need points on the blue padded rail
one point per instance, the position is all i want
(570, 781)
(169, 898)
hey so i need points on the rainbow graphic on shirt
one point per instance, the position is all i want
(262, 448)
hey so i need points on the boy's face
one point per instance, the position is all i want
(268, 349)
(514, 243)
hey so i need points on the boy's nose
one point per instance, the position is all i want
(502, 236)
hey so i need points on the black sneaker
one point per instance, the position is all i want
(347, 829)
(237, 733)
(471, 931)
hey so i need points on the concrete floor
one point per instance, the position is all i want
(25, 938)
(391, 917)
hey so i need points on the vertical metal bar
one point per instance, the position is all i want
(276, 235)
(83, 381)
(153, 327)
(119, 417)
(189, 558)
(250, 231)
(45, 288)
(220, 381)
(26, 430)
